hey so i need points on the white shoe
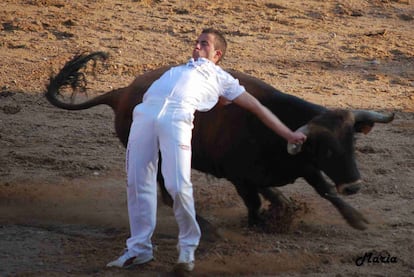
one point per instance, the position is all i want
(126, 260)
(185, 260)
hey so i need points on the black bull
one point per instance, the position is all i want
(229, 142)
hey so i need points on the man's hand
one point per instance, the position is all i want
(297, 138)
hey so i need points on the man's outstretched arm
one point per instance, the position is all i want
(250, 103)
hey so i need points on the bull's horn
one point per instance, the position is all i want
(363, 115)
(296, 148)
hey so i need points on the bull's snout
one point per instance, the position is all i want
(349, 188)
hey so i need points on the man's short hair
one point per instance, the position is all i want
(220, 42)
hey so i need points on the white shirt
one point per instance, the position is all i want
(197, 83)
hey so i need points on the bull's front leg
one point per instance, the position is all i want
(251, 199)
(327, 191)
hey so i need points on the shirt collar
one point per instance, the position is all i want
(199, 61)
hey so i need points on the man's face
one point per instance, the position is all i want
(204, 48)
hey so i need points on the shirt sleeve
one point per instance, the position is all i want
(231, 87)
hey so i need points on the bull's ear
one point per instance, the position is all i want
(296, 148)
(363, 127)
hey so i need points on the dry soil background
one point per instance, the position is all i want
(62, 197)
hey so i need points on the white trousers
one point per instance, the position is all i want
(166, 127)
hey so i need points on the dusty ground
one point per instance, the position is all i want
(62, 197)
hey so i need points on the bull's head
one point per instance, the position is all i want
(330, 144)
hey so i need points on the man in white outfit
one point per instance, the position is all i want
(163, 122)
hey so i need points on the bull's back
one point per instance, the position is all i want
(228, 139)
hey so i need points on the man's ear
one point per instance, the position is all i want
(219, 54)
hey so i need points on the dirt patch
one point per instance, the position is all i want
(62, 195)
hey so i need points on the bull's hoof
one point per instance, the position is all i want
(256, 221)
(210, 233)
(355, 219)
(360, 224)
(348, 189)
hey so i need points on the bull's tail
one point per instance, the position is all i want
(70, 75)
